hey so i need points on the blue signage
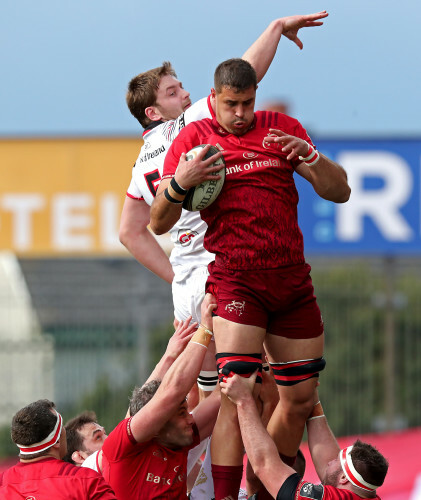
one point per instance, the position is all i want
(383, 215)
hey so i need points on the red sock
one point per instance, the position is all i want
(226, 480)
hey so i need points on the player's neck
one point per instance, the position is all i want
(38, 459)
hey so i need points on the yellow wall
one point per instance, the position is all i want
(64, 196)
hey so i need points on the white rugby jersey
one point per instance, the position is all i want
(187, 235)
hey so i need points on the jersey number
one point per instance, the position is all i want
(152, 180)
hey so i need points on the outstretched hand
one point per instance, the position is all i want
(292, 24)
(181, 337)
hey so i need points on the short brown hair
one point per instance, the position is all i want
(141, 92)
(142, 395)
(32, 424)
(73, 436)
(237, 74)
(369, 462)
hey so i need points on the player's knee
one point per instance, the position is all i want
(241, 364)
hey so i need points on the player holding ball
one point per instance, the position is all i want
(260, 279)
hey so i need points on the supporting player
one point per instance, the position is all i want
(84, 437)
(352, 473)
(259, 278)
(37, 430)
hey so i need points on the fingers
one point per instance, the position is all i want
(298, 43)
(278, 132)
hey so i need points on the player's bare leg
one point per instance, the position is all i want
(226, 445)
(287, 423)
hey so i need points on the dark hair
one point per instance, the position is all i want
(32, 424)
(142, 395)
(73, 436)
(141, 92)
(369, 462)
(237, 74)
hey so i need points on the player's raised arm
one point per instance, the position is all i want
(260, 55)
(321, 441)
(260, 448)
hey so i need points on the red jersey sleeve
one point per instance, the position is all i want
(120, 442)
(186, 140)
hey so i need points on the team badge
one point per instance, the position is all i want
(313, 491)
(236, 306)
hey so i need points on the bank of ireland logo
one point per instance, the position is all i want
(236, 306)
(185, 236)
(30, 498)
(266, 144)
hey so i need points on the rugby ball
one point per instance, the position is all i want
(204, 194)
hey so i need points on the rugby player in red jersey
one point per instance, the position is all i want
(145, 456)
(349, 474)
(37, 429)
(260, 279)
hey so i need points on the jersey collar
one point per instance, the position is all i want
(151, 126)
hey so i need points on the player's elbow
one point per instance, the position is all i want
(343, 195)
(157, 228)
(124, 236)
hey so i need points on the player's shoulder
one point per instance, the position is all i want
(196, 129)
(272, 119)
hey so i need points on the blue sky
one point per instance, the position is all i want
(65, 65)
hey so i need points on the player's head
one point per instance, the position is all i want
(178, 431)
(157, 95)
(142, 395)
(360, 468)
(234, 94)
(84, 437)
(37, 429)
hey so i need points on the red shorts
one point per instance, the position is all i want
(281, 301)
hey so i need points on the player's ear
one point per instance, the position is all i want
(213, 93)
(77, 458)
(343, 479)
(152, 113)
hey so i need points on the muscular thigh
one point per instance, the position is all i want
(238, 338)
(282, 349)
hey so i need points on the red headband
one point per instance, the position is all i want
(351, 473)
(46, 443)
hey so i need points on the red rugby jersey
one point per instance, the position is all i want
(49, 479)
(253, 222)
(307, 490)
(144, 470)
